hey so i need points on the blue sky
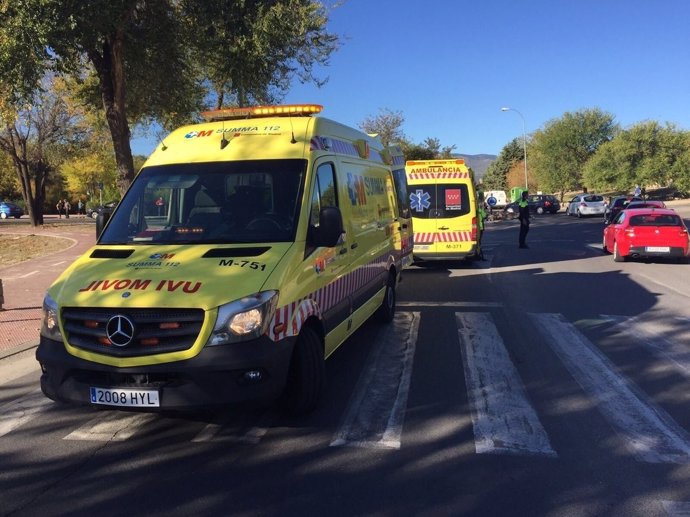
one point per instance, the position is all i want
(450, 65)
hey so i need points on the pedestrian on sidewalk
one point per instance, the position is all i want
(60, 207)
(67, 207)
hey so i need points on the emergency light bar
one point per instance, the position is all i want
(262, 111)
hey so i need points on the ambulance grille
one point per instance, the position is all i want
(155, 331)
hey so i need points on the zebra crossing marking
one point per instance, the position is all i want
(449, 304)
(22, 410)
(649, 431)
(376, 412)
(211, 432)
(113, 426)
(676, 508)
(503, 419)
(649, 335)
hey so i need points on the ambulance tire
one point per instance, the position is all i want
(386, 312)
(306, 375)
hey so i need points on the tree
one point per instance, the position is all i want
(9, 187)
(646, 154)
(35, 138)
(496, 176)
(559, 152)
(387, 125)
(132, 50)
(252, 49)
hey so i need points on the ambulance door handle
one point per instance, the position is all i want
(404, 226)
(354, 246)
(443, 228)
(343, 251)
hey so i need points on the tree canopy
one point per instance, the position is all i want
(559, 151)
(153, 60)
(496, 175)
(647, 153)
(387, 125)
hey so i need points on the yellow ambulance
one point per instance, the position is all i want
(247, 249)
(443, 203)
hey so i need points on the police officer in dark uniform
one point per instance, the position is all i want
(523, 216)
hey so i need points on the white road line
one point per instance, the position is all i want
(20, 411)
(504, 421)
(648, 430)
(58, 263)
(676, 508)
(112, 426)
(376, 412)
(253, 435)
(449, 304)
(27, 274)
(653, 337)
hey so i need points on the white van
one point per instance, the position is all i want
(495, 198)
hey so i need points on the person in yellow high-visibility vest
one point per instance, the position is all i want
(481, 216)
(523, 216)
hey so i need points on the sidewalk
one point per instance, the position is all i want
(25, 284)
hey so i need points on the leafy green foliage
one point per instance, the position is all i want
(153, 60)
(559, 152)
(646, 154)
(250, 50)
(496, 175)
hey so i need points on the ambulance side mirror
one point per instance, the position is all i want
(330, 227)
(101, 221)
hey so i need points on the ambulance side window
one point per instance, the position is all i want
(401, 192)
(324, 194)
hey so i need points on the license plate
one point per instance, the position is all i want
(124, 397)
(421, 247)
(658, 249)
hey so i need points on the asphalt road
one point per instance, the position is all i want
(548, 381)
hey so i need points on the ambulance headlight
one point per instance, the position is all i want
(244, 319)
(49, 326)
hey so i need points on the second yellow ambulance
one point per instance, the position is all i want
(443, 203)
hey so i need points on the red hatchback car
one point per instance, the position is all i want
(646, 232)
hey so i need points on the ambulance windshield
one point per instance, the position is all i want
(203, 203)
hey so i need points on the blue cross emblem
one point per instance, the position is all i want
(419, 200)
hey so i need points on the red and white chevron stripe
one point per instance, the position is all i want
(289, 318)
(431, 237)
(436, 175)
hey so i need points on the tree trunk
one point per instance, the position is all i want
(110, 68)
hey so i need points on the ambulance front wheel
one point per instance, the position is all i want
(386, 312)
(306, 375)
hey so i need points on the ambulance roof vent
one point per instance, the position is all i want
(285, 110)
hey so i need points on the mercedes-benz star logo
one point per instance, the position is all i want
(120, 330)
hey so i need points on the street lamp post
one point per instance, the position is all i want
(524, 138)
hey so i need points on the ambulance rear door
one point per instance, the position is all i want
(443, 210)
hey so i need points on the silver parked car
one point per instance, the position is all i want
(586, 204)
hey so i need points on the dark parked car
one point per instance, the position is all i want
(616, 205)
(8, 209)
(538, 203)
(649, 203)
(109, 206)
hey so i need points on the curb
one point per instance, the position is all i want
(17, 349)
